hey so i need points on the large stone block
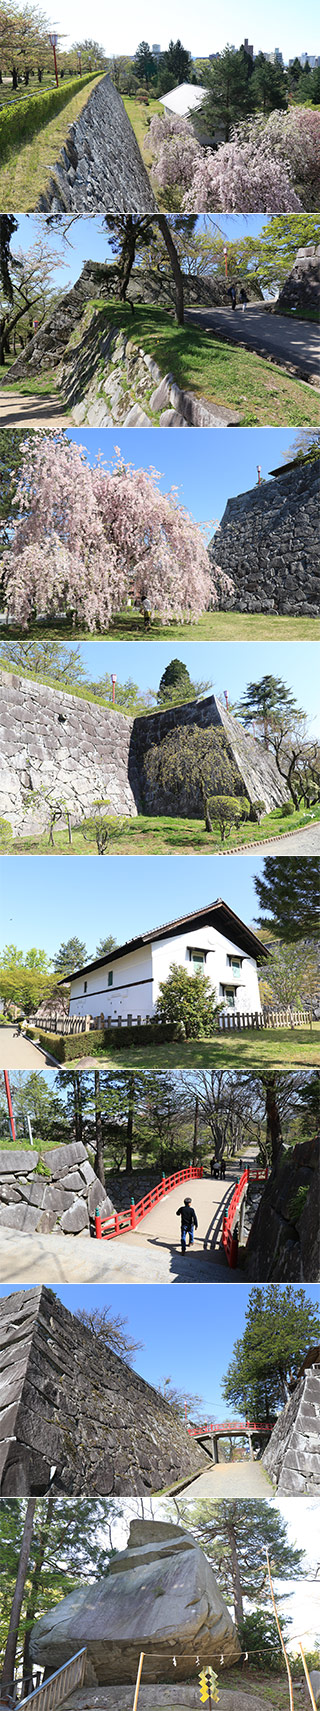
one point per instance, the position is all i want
(159, 1596)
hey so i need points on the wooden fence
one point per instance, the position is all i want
(228, 1022)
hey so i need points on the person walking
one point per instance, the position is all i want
(222, 1170)
(189, 1223)
(243, 298)
(232, 293)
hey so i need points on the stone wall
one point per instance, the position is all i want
(268, 543)
(107, 380)
(301, 291)
(71, 747)
(80, 751)
(160, 1596)
(74, 1415)
(283, 1243)
(54, 1191)
(258, 777)
(292, 1456)
(100, 166)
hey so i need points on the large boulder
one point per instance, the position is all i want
(159, 1596)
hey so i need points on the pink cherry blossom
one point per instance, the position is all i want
(88, 539)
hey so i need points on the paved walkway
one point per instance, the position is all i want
(231, 1479)
(76, 1259)
(291, 342)
(306, 842)
(25, 410)
(18, 1053)
(150, 1254)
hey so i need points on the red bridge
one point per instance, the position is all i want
(209, 1432)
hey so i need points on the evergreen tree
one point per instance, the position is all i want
(268, 85)
(106, 945)
(65, 1548)
(175, 683)
(144, 64)
(70, 956)
(289, 892)
(228, 90)
(281, 1324)
(175, 64)
(264, 702)
(235, 1537)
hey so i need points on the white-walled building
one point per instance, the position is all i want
(126, 983)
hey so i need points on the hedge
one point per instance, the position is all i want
(144, 1034)
(19, 123)
(65, 1046)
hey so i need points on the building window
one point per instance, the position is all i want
(197, 957)
(234, 962)
(110, 977)
(228, 994)
(85, 986)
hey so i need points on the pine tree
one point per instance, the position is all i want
(289, 892)
(263, 703)
(234, 1537)
(281, 1324)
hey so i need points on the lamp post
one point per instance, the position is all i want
(259, 474)
(53, 43)
(113, 681)
(225, 252)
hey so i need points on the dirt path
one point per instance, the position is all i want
(233, 1479)
(25, 410)
(292, 343)
(161, 1227)
(18, 1053)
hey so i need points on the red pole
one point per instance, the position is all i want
(133, 1216)
(98, 1225)
(9, 1103)
(225, 252)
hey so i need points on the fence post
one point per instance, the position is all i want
(116, 1224)
(132, 1215)
(98, 1224)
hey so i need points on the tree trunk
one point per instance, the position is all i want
(130, 1123)
(175, 266)
(236, 1580)
(7, 1677)
(207, 815)
(77, 1107)
(99, 1159)
(195, 1131)
(127, 256)
(32, 1604)
(273, 1120)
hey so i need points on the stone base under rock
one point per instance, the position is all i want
(185, 1698)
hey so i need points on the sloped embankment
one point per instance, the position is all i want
(100, 165)
(108, 380)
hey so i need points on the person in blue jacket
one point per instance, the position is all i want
(189, 1223)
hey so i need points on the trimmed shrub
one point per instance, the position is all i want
(287, 808)
(21, 121)
(66, 1046)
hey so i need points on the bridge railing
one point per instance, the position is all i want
(215, 1426)
(119, 1222)
(229, 1238)
(58, 1686)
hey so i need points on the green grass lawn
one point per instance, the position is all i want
(282, 1048)
(128, 626)
(26, 172)
(150, 835)
(140, 116)
(224, 374)
(44, 386)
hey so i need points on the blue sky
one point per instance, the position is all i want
(201, 29)
(87, 240)
(187, 1333)
(207, 469)
(42, 904)
(224, 665)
